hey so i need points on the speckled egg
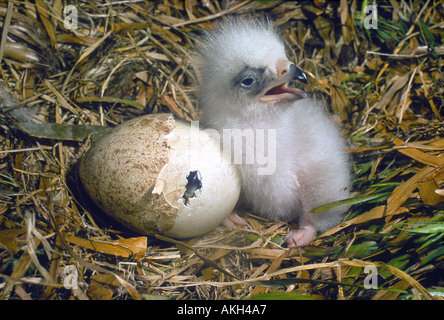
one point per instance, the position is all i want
(158, 174)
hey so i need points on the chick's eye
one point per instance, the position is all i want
(248, 82)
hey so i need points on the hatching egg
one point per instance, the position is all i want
(158, 174)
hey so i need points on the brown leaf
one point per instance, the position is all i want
(122, 247)
(419, 155)
(324, 28)
(373, 214)
(398, 82)
(19, 271)
(403, 192)
(173, 107)
(428, 194)
(8, 238)
(345, 21)
(102, 286)
(272, 268)
(22, 54)
(75, 39)
(43, 10)
(340, 102)
(264, 253)
(374, 64)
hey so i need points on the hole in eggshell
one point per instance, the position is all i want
(193, 189)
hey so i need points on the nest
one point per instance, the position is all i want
(71, 70)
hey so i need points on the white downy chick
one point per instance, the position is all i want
(244, 75)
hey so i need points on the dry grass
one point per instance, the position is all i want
(128, 58)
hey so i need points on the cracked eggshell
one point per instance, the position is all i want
(157, 174)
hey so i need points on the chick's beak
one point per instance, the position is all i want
(286, 70)
(278, 90)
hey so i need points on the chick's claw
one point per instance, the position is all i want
(233, 221)
(300, 237)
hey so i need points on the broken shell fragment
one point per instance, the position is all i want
(157, 174)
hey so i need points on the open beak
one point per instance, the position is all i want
(278, 90)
